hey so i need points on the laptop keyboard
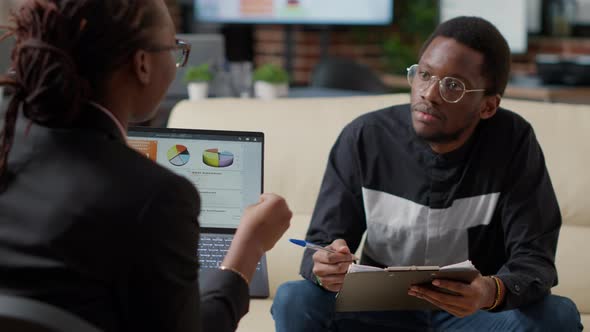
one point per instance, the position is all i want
(212, 250)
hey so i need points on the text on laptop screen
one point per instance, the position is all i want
(226, 167)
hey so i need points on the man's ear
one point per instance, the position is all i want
(489, 106)
(142, 67)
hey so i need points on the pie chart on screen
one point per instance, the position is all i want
(178, 155)
(217, 158)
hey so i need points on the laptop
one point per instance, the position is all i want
(227, 169)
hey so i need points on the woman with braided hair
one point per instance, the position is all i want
(86, 223)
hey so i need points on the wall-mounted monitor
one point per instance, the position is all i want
(307, 12)
(509, 16)
(583, 12)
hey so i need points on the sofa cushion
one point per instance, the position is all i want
(258, 318)
(300, 133)
(284, 259)
(572, 266)
(564, 134)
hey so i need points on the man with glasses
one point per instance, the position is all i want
(449, 177)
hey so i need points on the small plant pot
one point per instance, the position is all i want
(265, 90)
(198, 90)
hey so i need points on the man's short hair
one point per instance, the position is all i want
(482, 36)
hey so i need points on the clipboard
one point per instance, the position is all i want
(387, 289)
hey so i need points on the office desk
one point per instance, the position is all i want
(531, 88)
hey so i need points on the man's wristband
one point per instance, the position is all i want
(498, 294)
(317, 280)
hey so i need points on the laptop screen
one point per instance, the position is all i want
(226, 167)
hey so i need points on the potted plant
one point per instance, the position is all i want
(401, 47)
(270, 81)
(198, 78)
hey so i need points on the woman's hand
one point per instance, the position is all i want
(261, 226)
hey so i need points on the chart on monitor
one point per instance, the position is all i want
(325, 12)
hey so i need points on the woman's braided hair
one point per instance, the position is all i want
(64, 52)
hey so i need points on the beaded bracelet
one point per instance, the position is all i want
(227, 268)
(498, 293)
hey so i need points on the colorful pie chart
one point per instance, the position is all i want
(216, 158)
(178, 155)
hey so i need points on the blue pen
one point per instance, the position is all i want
(312, 246)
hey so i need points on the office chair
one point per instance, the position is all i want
(345, 74)
(19, 314)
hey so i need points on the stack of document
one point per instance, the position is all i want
(463, 266)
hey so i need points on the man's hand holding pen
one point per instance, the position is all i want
(330, 268)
